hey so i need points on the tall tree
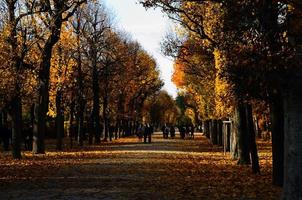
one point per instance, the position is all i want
(56, 13)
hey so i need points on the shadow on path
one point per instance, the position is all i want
(128, 169)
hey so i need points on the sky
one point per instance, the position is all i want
(148, 28)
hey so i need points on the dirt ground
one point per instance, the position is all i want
(128, 169)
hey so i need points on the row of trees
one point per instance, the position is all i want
(65, 60)
(231, 56)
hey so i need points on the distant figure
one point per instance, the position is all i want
(166, 132)
(172, 131)
(182, 132)
(192, 131)
(187, 130)
(150, 131)
(163, 130)
(111, 131)
(140, 132)
(28, 137)
(147, 133)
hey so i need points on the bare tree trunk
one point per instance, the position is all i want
(277, 119)
(293, 140)
(17, 65)
(242, 136)
(207, 128)
(96, 105)
(41, 106)
(16, 115)
(80, 99)
(214, 132)
(105, 104)
(234, 136)
(219, 133)
(71, 125)
(39, 127)
(252, 137)
(91, 131)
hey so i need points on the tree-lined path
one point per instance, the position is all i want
(130, 169)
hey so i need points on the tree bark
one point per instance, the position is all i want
(277, 119)
(17, 65)
(293, 140)
(214, 132)
(227, 135)
(243, 136)
(96, 104)
(16, 115)
(234, 136)
(71, 124)
(219, 133)
(252, 137)
(207, 128)
(41, 106)
(80, 93)
(105, 103)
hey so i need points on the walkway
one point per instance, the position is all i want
(128, 169)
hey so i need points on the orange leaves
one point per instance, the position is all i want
(178, 75)
(167, 169)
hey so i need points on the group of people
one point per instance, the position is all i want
(145, 131)
(166, 130)
(184, 131)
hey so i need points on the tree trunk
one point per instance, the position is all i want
(41, 106)
(227, 137)
(96, 105)
(277, 119)
(59, 120)
(234, 136)
(91, 131)
(252, 136)
(16, 115)
(17, 65)
(80, 124)
(293, 141)
(3, 117)
(206, 130)
(219, 133)
(71, 124)
(243, 136)
(214, 132)
(105, 104)
(39, 127)
(80, 96)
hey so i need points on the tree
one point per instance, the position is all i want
(15, 33)
(97, 24)
(163, 110)
(55, 14)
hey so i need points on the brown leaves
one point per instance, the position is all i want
(126, 168)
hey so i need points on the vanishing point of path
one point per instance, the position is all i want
(129, 169)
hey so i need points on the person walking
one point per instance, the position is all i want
(145, 133)
(172, 132)
(140, 132)
(150, 131)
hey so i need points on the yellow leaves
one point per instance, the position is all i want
(223, 98)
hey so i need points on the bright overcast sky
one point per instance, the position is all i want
(148, 28)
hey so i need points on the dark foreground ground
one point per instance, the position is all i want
(129, 169)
